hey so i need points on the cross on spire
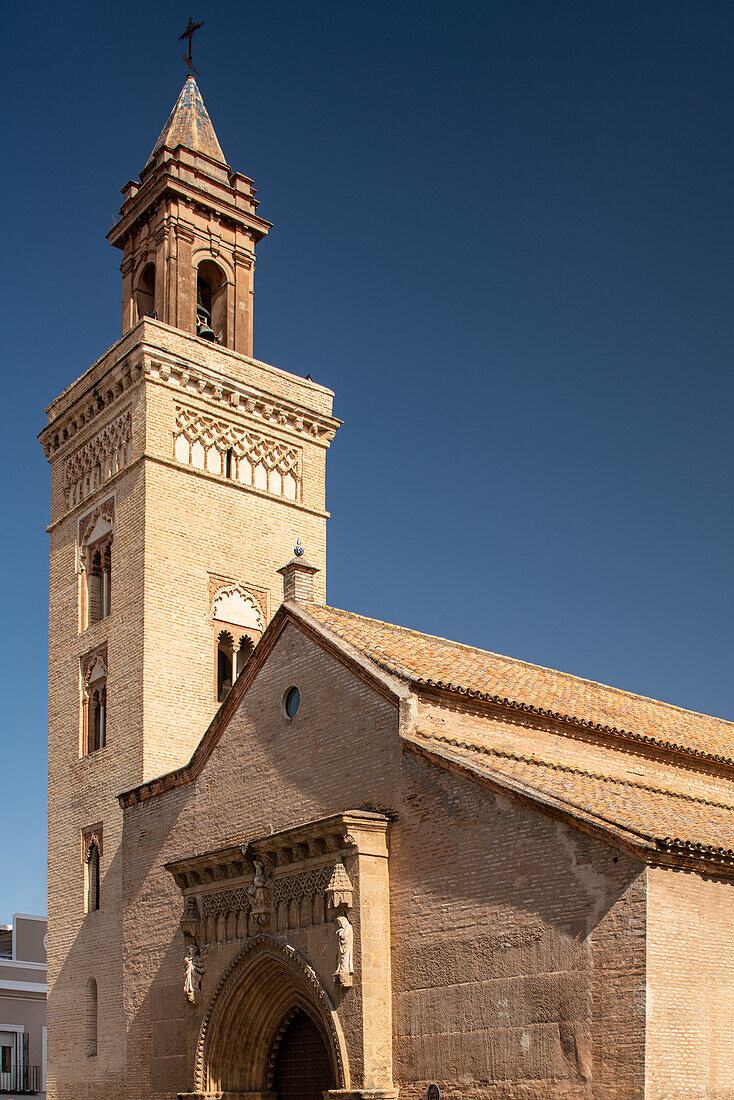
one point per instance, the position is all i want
(189, 33)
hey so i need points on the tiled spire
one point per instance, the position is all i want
(189, 124)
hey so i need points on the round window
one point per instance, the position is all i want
(292, 701)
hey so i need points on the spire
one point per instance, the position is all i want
(189, 124)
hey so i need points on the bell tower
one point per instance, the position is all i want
(183, 471)
(188, 230)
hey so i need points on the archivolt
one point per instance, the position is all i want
(267, 980)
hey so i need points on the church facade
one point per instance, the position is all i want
(294, 851)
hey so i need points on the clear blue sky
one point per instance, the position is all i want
(503, 236)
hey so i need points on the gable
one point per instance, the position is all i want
(341, 748)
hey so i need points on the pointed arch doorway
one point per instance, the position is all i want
(302, 1067)
(270, 1029)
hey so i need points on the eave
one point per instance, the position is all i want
(664, 852)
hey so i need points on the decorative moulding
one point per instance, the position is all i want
(236, 606)
(289, 879)
(99, 459)
(126, 363)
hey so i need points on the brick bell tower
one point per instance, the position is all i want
(182, 473)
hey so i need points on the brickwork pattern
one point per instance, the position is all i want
(177, 533)
(508, 927)
(690, 980)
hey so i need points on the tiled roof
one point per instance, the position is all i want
(189, 124)
(671, 819)
(433, 661)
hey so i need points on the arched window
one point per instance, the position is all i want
(92, 878)
(96, 536)
(211, 302)
(98, 707)
(91, 1020)
(225, 655)
(244, 650)
(99, 581)
(95, 702)
(145, 292)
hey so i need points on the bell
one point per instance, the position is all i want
(203, 327)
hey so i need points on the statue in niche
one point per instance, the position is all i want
(344, 952)
(257, 892)
(194, 967)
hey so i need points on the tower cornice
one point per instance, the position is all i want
(197, 370)
(142, 206)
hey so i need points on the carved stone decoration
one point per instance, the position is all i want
(344, 952)
(92, 838)
(339, 889)
(190, 921)
(288, 888)
(259, 894)
(194, 967)
(224, 902)
(94, 667)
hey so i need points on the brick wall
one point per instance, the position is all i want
(690, 983)
(174, 528)
(517, 942)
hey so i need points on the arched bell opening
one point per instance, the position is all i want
(269, 1010)
(211, 302)
(145, 292)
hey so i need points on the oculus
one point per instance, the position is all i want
(291, 702)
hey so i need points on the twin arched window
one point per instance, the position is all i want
(99, 580)
(92, 848)
(231, 659)
(96, 536)
(94, 733)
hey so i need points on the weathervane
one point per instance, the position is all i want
(189, 33)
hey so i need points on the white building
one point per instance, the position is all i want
(23, 1006)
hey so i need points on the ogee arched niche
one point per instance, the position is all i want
(259, 992)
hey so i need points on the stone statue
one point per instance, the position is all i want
(344, 952)
(194, 967)
(257, 892)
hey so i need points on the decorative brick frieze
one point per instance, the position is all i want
(233, 451)
(98, 460)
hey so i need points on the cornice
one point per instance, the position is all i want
(250, 406)
(167, 183)
(293, 847)
(143, 359)
(97, 398)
